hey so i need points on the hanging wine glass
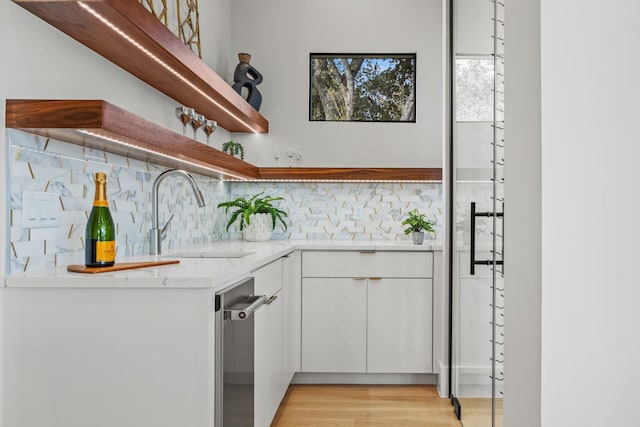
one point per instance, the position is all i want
(209, 127)
(184, 115)
(197, 120)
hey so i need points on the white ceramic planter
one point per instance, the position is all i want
(259, 230)
(417, 237)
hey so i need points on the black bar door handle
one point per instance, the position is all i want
(472, 240)
(472, 250)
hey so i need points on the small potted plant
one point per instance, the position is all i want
(257, 216)
(418, 224)
(233, 149)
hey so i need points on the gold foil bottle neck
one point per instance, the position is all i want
(100, 198)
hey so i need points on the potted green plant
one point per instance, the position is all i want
(257, 215)
(233, 149)
(418, 224)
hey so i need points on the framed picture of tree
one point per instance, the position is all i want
(362, 87)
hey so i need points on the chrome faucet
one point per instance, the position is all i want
(156, 235)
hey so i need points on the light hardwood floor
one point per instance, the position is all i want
(359, 406)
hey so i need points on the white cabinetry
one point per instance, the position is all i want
(334, 325)
(131, 357)
(271, 380)
(399, 325)
(289, 337)
(367, 312)
(108, 357)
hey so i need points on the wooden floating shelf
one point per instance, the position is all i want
(125, 33)
(351, 174)
(100, 125)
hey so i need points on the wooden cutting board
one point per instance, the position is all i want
(118, 267)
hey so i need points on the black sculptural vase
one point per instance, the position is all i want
(247, 77)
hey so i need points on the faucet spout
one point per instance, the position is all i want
(155, 234)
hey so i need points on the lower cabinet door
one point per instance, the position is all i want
(334, 325)
(268, 362)
(399, 326)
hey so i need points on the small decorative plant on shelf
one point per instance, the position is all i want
(258, 216)
(418, 224)
(233, 149)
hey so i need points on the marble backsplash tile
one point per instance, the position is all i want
(347, 211)
(46, 165)
(340, 211)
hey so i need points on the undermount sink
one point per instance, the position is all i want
(210, 254)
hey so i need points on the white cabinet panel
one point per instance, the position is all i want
(268, 362)
(269, 387)
(108, 357)
(268, 279)
(288, 319)
(399, 326)
(366, 264)
(334, 325)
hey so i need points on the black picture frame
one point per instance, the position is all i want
(362, 87)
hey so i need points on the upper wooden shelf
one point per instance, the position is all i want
(100, 125)
(125, 33)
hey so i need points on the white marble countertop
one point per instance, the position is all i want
(205, 272)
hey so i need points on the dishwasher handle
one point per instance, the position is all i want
(243, 312)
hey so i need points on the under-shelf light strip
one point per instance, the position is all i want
(334, 180)
(161, 62)
(157, 153)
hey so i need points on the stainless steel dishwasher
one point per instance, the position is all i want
(234, 334)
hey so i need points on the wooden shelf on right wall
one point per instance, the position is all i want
(351, 174)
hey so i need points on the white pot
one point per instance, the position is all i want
(417, 237)
(259, 229)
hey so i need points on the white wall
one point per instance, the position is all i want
(589, 232)
(523, 238)
(280, 34)
(590, 316)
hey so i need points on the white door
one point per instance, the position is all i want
(478, 199)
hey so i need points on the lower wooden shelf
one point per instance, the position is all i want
(99, 125)
(351, 174)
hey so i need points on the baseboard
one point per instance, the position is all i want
(364, 378)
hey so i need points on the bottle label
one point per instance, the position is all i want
(105, 251)
(101, 203)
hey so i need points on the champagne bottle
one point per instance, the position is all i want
(100, 245)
